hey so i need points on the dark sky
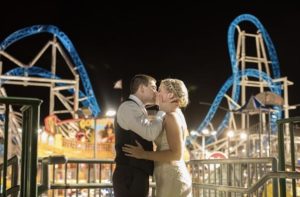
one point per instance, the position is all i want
(182, 41)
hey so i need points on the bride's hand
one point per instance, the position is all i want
(169, 104)
(134, 151)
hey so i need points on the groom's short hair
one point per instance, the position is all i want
(140, 79)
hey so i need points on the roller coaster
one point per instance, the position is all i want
(77, 92)
(251, 75)
(68, 91)
(27, 72)
(249, 72)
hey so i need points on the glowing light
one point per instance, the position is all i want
(194, 133)
(205, 131)
(44, 137)
(110, 113)
(230, 133)
(243, 136)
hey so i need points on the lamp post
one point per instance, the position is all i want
(213, 132)
(245, 137)
(203, 146)
(230, 134)
(205, 132)
(196, 134)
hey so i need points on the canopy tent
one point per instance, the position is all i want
(270, 98)
(253, 106)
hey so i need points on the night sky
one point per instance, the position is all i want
(182, 41)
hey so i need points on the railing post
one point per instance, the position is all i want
(293, 160)
(281, 158)
(6, 125)
(29, 156)
(281, 125)
(24, 156)
(30, 111)
(34, 148)
(274, 180)
(45, 176)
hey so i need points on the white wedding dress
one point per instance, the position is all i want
(172, 178)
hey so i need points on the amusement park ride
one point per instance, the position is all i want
(254, 88)
(256, 96)
(68, 91)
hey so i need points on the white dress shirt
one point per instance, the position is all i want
(133, 116)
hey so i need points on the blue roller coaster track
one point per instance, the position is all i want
(233, 81)
(40, 72)
(88, 92)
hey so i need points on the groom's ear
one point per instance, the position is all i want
(141, 88)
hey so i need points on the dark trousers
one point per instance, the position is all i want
(130, 182)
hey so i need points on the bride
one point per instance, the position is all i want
(170, 172)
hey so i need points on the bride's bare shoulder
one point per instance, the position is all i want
(171, 117)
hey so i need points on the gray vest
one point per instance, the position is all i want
(122, 137)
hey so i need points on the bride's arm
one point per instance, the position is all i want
(175, 141)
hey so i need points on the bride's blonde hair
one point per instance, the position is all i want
(179, 90)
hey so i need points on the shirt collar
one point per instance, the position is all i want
(137, 100)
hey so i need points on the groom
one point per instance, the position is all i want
(131, 176)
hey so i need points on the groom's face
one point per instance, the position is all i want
(150, 93)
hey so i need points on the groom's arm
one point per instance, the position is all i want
(131, 117)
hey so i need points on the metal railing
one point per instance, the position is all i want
(30, 110)
(286, 127)
(228, 190)
(14, 188)
(60, 176)
(63, 175)
(231, 177)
